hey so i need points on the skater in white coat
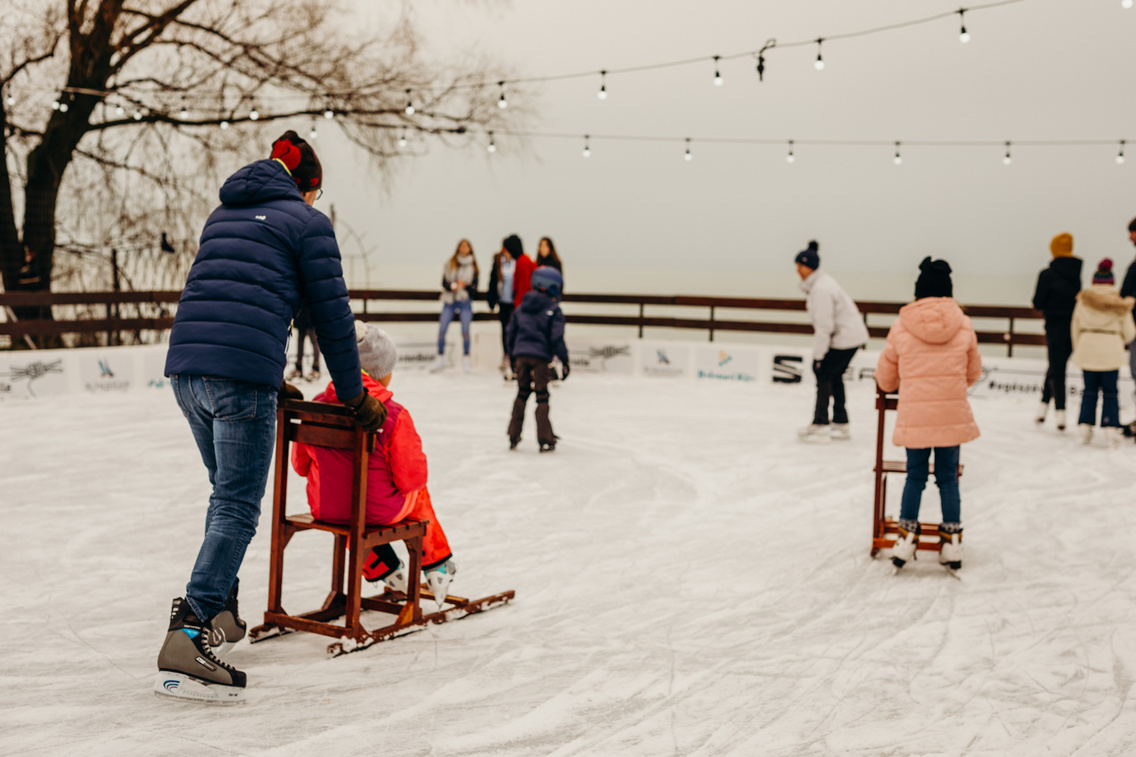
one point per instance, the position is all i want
(838, 332)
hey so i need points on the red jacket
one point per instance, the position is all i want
(522, 278)
(396, 468)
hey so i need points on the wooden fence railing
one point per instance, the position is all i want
(154, 311)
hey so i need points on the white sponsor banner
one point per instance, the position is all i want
(37, 373)
(107, 369)
(614, 357)
(727, 362)
(666, 360)
(418, 355)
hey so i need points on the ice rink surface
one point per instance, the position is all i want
(690, 581)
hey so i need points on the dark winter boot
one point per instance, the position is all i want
(906, 543)
(518, 420)
(950, 545)
(227, 628)
(544, 434)
(380, 563)
(187, 667)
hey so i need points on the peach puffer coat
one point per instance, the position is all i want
(1102, 325)
(931, 357)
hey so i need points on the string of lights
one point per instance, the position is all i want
(792, 144)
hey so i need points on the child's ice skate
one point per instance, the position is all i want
(187, 667)
(950, 548)
(549, 446)
(906, 544)
(383, 566)
(1085, 432)
(840, 431)
(815, 433)
(514, 441)
(439, 578)
(227, 628)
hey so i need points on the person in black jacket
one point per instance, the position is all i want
(536, 335)
(1128, 289)
(1055, 297)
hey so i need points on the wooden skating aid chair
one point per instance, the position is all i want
(884, 529)
(334, 426)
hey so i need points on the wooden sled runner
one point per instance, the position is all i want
(334, 426)
(884, 529)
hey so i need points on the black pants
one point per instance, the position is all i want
(830, 385)
(310, 334)
(504, 313)
(532, 373)
(1059, 345)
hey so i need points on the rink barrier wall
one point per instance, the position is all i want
(99, 370)
(117, 317)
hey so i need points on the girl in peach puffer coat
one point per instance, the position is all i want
(932, 358)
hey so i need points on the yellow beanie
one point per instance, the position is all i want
(1062, 246)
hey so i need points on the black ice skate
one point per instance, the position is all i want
(514, 441)
(227, 628)
(187, 667)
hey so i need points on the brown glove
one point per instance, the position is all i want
(368, 411)
(289, 392)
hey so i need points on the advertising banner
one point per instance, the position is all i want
(615, 357)
(725, 362)
(666, 360)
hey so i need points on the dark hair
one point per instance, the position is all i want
(934, 279)
(300, 159)
(551, 251)
(513, 246)
(1132, 225)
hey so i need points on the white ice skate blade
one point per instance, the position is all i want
(188, 689)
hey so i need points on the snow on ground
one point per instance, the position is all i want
(690, 581)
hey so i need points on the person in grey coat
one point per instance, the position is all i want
(838, 332)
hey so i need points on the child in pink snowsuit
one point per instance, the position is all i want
(396, 475)
(932, 358)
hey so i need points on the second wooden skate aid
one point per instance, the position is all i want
(884, 529)
(327, 425)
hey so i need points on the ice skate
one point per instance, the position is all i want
(294, 374)
(840, 431)
(1114, 436)
(439, 578)
(548, 446)
(227, 628)
(1085, 432)
(514, 441)
(1041, 411)
(467, 366)
(438, 364)
(906, 544)
(815, 433)
(950, 549)
(396, 581)
(1060, 414)
(313, 375)
(187, 667)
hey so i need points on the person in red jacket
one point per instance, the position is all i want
(396, 475)
(522, 275)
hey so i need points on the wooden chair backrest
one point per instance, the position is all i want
(323, 425)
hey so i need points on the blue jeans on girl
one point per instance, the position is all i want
(946, 477)
(234, 425)
(1102, 382)
(464, 309)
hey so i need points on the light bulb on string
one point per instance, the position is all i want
(254, 114)
(1126, 4)
(224, 125)
(898, 159)
(790, 157)
(409, 110)
(119, 110)
(1006, 159)
(56, 105)
(1120, 155)
(602, 94)
(184, 112)
(11, 100)
(138, 115)
(502, 102)
(313, 134)
(819, 64)
(492, 145)
(964, 35)
(688, 157)
(587, 147)
(718, 80)
(328, 113)
(402, 139)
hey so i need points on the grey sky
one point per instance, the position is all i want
(637, 217)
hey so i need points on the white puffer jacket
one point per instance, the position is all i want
(837, 323)
(1102, 325)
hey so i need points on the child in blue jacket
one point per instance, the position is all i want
(534, 335)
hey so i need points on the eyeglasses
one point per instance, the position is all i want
(319, 193)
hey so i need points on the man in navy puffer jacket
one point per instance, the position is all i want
(262, 252)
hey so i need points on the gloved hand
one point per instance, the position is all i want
(816, 367)
(289, 392)
(368, 411)
(564, 370)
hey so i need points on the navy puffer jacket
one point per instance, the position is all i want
(262, 252)
(537, 329)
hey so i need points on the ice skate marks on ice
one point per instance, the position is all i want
(185, 688)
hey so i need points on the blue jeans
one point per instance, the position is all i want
(464, 309)
(234, 425)
(946, 477)
(1103, 382)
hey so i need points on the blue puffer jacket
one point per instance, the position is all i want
(262, 252)
(537, 329)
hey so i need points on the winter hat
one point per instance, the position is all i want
(1132, 225)
(1104, 273)
(300, 159)
(809, 257)
(377, 353)
(1062, 246)
(934, 279)
(548, 280)
(513, 246)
